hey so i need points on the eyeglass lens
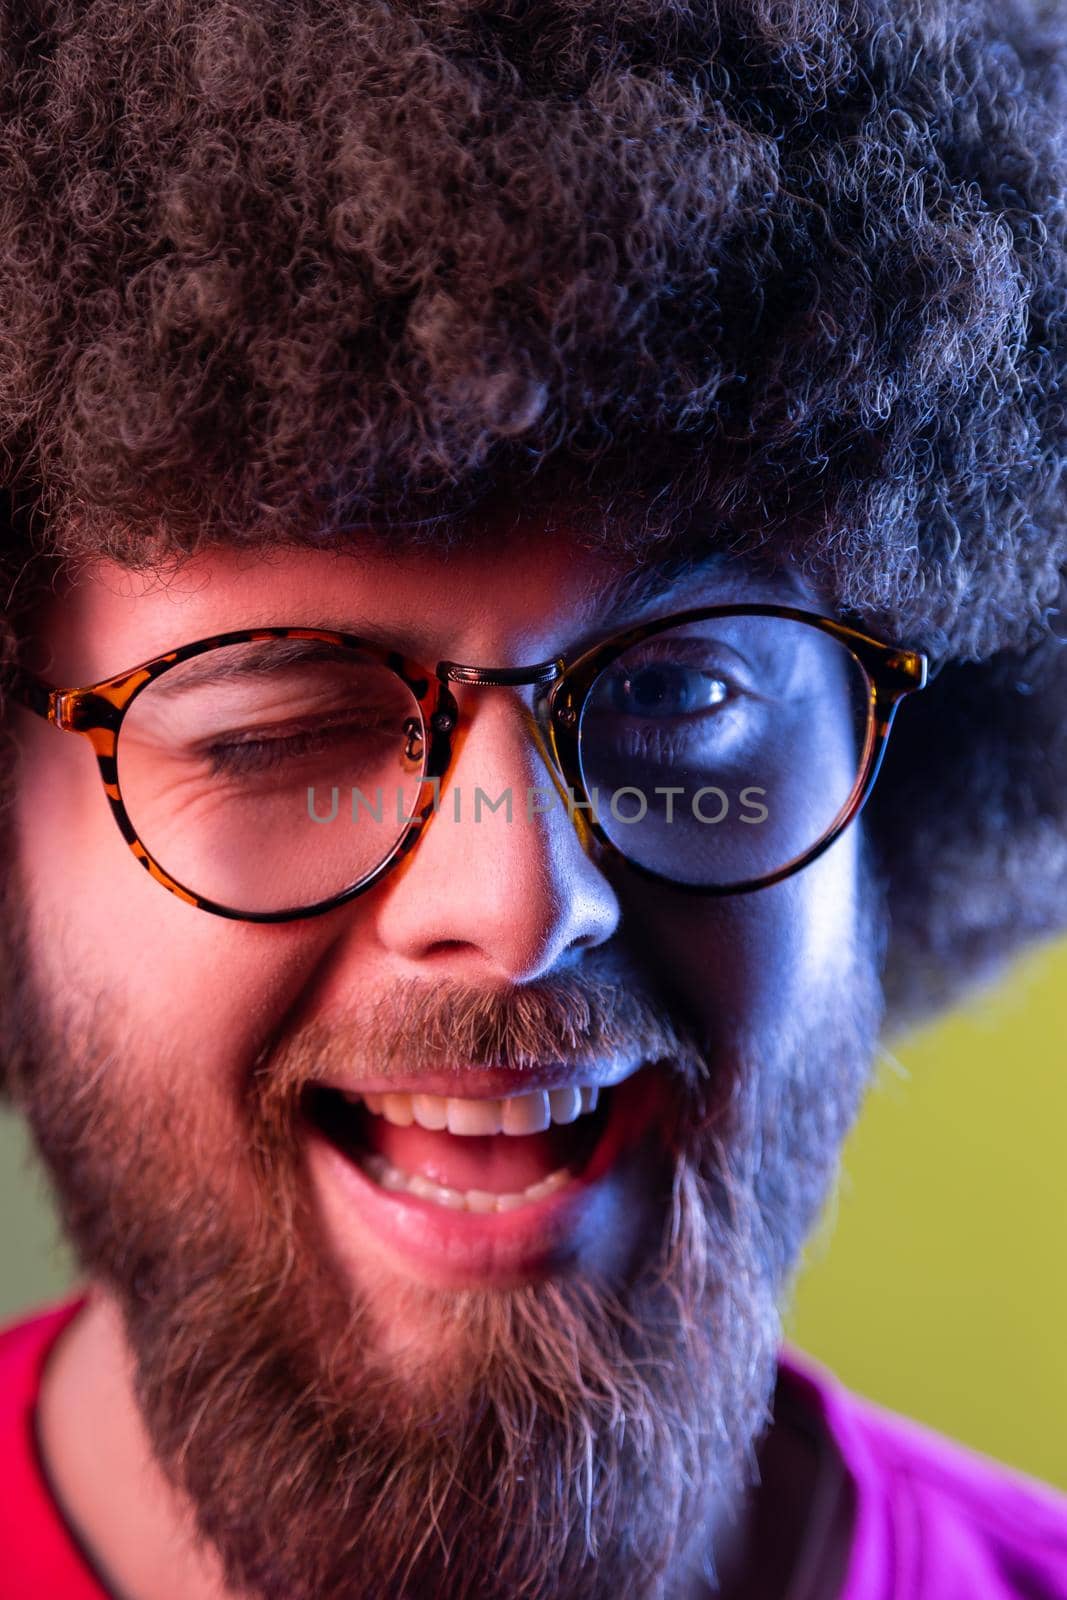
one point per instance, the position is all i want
(720, 751)
(238, 770)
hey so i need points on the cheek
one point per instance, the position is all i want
(172, 983)
(748, 961)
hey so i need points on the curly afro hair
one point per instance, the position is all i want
(785, 274)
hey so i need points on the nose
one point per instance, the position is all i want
(499, 887)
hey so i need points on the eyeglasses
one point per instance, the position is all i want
(269, 774)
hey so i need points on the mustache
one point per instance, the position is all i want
(435, 1028)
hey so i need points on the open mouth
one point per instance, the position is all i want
(479, 1155)
(503, 1185)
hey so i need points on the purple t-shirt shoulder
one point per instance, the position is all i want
(933, 1520)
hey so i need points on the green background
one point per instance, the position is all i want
(937, 1283)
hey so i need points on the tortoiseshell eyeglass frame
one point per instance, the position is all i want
(96, 711)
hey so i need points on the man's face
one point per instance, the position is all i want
(332, 1367)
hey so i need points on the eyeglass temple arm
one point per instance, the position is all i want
(69, 710)
(30, 691)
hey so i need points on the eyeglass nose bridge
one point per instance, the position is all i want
(501, 677)
(540, 676)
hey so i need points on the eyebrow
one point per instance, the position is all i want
(608, 604)
(653, 582)
(224, 664)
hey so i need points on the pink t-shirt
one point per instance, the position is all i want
(928, 1519)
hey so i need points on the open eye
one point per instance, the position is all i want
(680, 676)
(659, 688)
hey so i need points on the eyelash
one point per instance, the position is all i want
(229, 759)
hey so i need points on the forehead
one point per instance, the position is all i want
(519, 599)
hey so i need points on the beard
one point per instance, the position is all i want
(563, 1438)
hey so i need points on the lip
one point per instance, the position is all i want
(595, 1214)
(491, 1083)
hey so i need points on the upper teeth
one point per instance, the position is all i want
(520, 1113)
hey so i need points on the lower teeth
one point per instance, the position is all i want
(480, 1200)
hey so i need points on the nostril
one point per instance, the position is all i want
(449, 947)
